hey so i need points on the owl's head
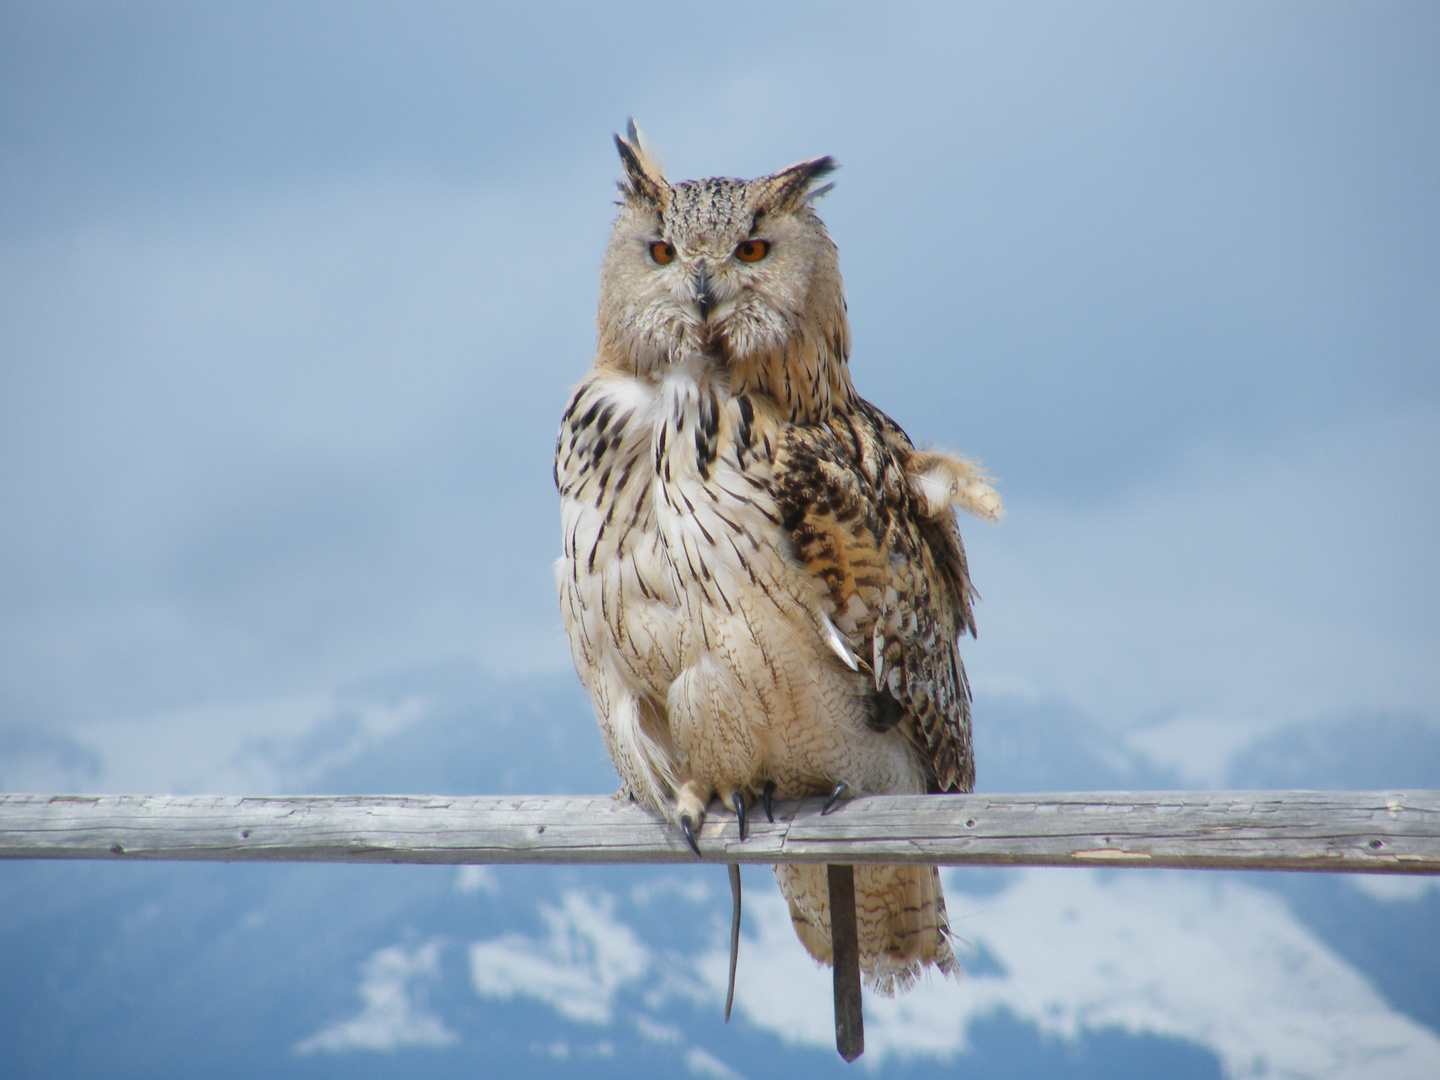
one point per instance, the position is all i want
(740, 274)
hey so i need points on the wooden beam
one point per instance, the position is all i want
(1351, 831)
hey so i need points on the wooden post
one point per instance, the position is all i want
(845, 953)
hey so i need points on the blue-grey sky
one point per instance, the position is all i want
(290, 300)
(291, 297)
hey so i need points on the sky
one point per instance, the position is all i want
(287, 317)
(291, 300)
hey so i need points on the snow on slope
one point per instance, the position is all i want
(1207, 959)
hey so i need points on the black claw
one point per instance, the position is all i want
(687, 826)
(737, 800)
(841, 790)
(768, 797)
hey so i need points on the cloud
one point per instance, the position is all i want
(470, 880)
(267, 427)
(274, 420)
(1200, 749)
(1394, 888)
(394, 1016)
(1207, 960)
(654, 1031)
(243, 748)
(577, 968)
(285, 443)
(583, 965)
(1240, 587)
(36, 758)
(705, 1064)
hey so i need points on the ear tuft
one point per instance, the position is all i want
(792, 187)
(644, 183)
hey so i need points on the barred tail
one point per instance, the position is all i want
(900, 912)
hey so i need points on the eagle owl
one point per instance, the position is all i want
(762, 583)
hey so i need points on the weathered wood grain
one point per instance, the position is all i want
(1366, 832)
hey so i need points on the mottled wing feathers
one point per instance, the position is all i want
(894, 573)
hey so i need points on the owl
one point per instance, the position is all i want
(763, 583)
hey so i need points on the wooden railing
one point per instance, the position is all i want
(1349, 831)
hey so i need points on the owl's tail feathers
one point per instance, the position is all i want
(900, 917)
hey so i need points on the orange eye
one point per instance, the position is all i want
(752, 250)
(662, 252)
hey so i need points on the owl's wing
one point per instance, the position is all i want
(871, 517)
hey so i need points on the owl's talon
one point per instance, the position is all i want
(737, 801)
(768, 798)
(842, 789)
(687, 826)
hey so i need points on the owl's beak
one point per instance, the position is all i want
(704, 298)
